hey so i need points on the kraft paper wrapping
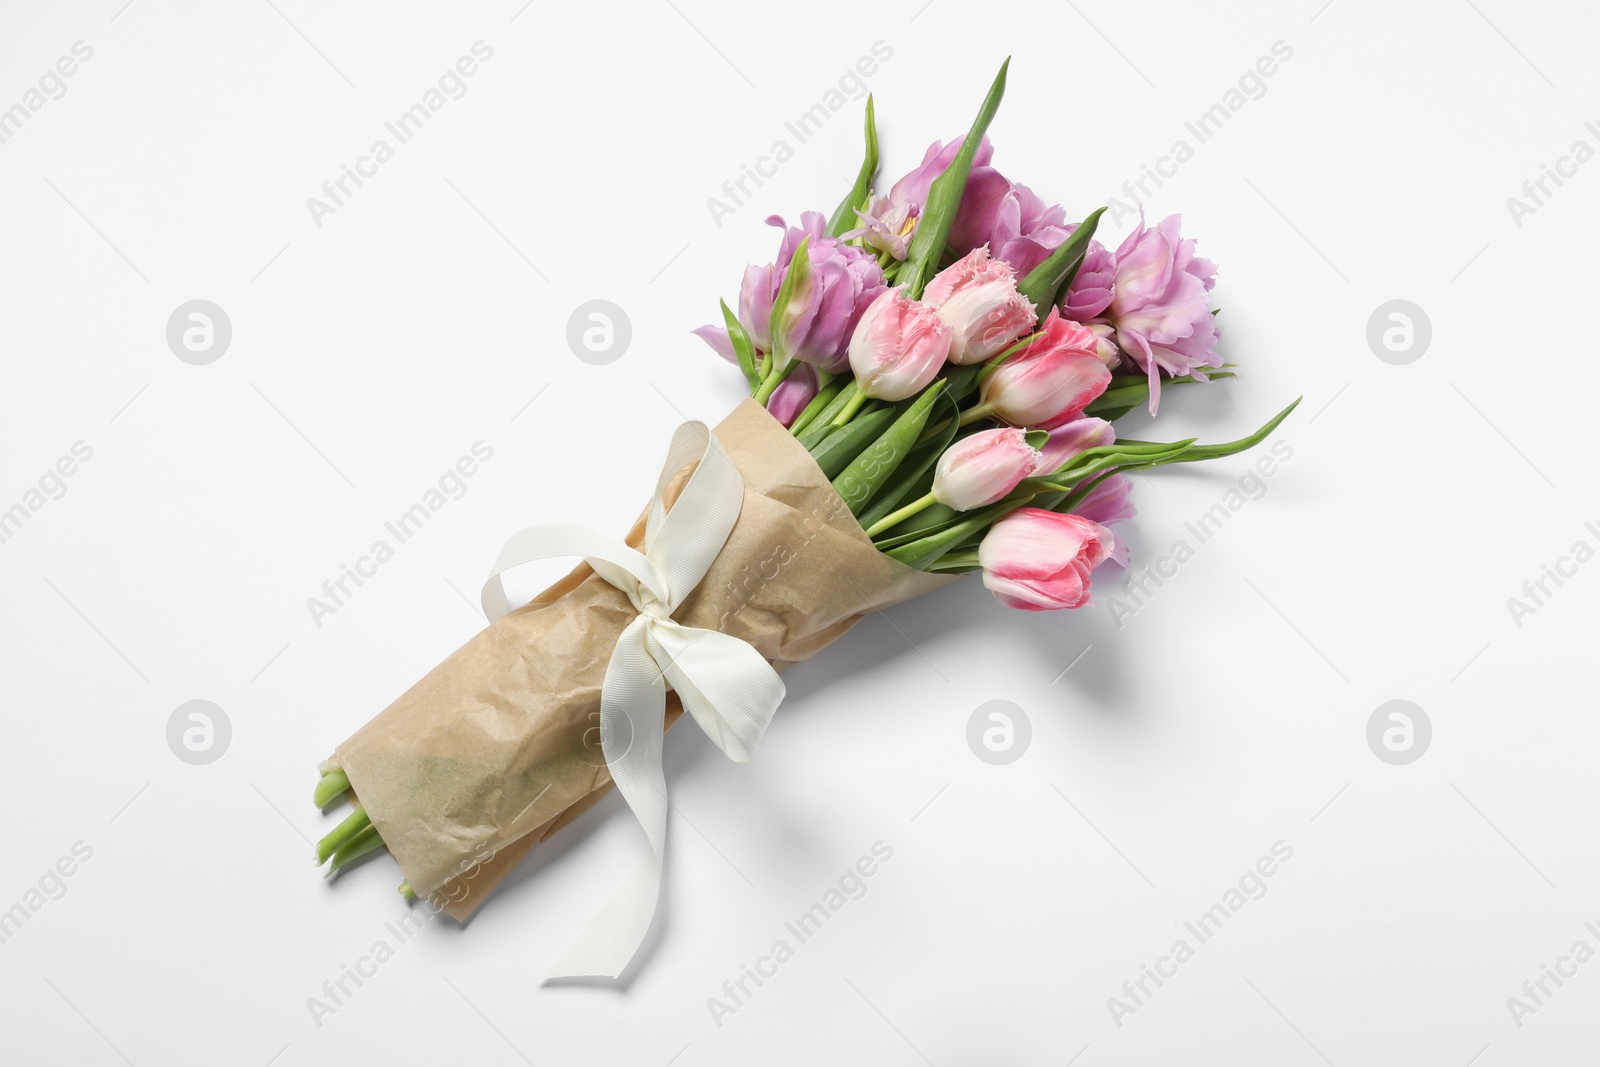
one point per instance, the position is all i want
(498, 747)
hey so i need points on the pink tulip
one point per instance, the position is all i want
(1071, 439)
(1039, 560)
(978, 470)
(1050, 382)
(898, 347)
(977, 295)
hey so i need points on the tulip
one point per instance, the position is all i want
(1040, 560)
(887, 226)
(977, 295)
(1072, 439)
(889, 223)
(792, 395)
(1048, 383)
(1008, 217)
(1155, 294)
(1018, 227)
(979, 470)
(1105, 336)
(816, 326)
(1090, 291)
(1107, 504)
(898, 347)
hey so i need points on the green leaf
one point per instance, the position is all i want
(1203, 452)
(866, 474)
(844, 216)
(989, 366)
(944, 197)
(929, 520)
(844, 444)
(796, 283)
(914, 476)
(743, 347)
(923, 553)
(961, 381)
(1044, 283)
(1128, 391)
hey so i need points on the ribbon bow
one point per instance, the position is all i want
(723, 682)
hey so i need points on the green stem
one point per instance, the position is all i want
(366, 841)
(933, 431)
(773, 380)
(819, 404)
(851, 407)
(894, 518)
(993, 364)
(332, 786)
(957, 562)
(407, 892)
(341, 834)
(974, 413)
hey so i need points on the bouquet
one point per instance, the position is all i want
(935, 375)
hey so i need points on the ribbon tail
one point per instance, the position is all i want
(633, 702)
(608, 943)
(727, 686)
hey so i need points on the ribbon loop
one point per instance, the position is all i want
(723, 682)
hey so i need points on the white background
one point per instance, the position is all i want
(429, 312)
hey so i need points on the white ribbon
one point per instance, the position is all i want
(723, 682)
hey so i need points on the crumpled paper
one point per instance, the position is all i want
(498, 747)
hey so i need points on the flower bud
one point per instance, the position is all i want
(898, 347)
(977, 295)
(792, 395)
(978, 470)
(1039, 560)
(1050, 382)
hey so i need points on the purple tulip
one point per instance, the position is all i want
(1090, 291)
(792, 395)
(1155, 294)
(1010, 218)
(1108, 504)
(844, 280)
(1072, 439)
